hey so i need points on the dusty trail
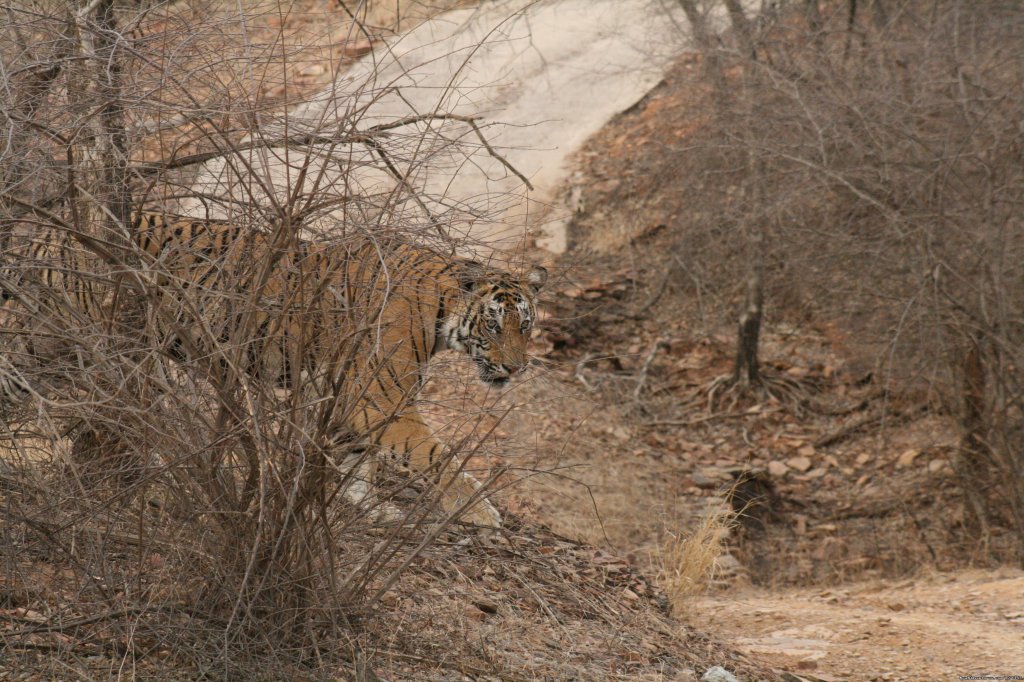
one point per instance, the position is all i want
(935, 628)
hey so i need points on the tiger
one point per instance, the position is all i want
(358, 320)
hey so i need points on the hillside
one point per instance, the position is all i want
(661, 518)
(849, 555)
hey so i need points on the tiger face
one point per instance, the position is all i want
(493, 321)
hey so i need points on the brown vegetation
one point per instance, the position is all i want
(855, 468)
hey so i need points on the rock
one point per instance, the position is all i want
(703, 481)
(620, 433)
(718, 674)
(357, 48)
(907, 458)
(801, 463)
(777, 469)
(936, 465)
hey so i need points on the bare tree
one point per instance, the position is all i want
(736, 107)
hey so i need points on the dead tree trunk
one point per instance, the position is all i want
(741, 27)
(746, 371)
(99, 188)
(975, 457)
(815, 22)
(99, 146)
(851, 21)
(736, 108)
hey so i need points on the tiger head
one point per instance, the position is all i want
(493, 320)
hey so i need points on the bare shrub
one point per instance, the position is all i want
(180, 474)
(864, 161)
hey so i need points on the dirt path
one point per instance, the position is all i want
(935, 628)
(541, 77)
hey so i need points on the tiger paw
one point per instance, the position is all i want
(482, 514)
(386, 513)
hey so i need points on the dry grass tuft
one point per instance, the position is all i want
(688, 563)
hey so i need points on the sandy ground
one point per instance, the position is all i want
(941, 627)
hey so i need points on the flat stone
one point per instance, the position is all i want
(801, 463)
(703, 481)
(718, 674)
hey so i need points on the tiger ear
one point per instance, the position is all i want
(536, 277)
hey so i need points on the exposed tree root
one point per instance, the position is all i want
(726, 393)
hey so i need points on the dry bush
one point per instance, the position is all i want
(860, 162)
(174, 488)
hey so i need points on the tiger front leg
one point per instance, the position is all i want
(360, 467)
(412, 442)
